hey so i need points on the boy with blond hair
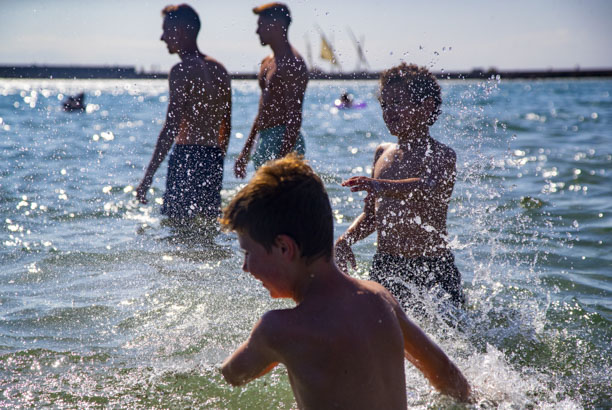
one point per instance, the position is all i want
(344, 342)
(408, 194)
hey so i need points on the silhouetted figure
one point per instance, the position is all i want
(197, 124)
(346, 100)
(282, 78)
(408, 195)
(74, 103)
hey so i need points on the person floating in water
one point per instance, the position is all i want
(282, 78)
(408, 194)
(74, 103)
(197, 123)
(345, 100)
(344, 343)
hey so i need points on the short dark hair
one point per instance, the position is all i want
(183, 14)
(285, 197)
(276, 11)
(419, 81)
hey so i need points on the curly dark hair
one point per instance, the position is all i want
(419, 81)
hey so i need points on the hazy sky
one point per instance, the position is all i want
(445, 34)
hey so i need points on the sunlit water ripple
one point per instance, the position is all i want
(103, 304)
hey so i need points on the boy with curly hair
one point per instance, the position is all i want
(408, 194)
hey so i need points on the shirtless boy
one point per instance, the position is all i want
(282, 78)
(197, 123)
(344, 342)
(408, 194)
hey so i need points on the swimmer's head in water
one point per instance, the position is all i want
(285, 197)
(181, 22)
(274, 19)
(419, 85)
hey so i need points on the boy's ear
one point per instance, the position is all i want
(287, 246)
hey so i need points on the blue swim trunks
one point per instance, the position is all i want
(269, 145)
(193, 184)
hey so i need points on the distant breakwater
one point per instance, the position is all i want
(127, 72)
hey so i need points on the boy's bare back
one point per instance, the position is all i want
(342, 346)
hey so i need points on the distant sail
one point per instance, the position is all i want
(327, 53)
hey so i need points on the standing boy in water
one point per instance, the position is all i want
(197, 123)
(408, 194)
(282, 78)
(344, 343)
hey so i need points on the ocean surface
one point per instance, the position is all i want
(104, 304)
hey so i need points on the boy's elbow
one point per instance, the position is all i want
(464, 389)
(230, 377)
(462, 392)
(457, 386)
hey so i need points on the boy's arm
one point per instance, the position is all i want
(429, 358)
(253, 358)
(394, 188)
(168, 133)
(361, 228)
(293, 98)
(243, 158)
(226, 121)
(438, 177)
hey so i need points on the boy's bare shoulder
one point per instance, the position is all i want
(292, 70)
(377, 290)
(215, 66)
(266, 60)
(178, 71)
(384, 146)
(276, 327)
(381, 148)
(182, 73)
(179, 77)
(443, 151)
(274, 319)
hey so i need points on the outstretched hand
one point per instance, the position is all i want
(361, 183)
(344, 255)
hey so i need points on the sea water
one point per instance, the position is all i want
(102, 303)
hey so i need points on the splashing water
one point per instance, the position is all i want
(104, 304)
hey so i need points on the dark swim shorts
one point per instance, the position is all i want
(193, 184)
(402, 276)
